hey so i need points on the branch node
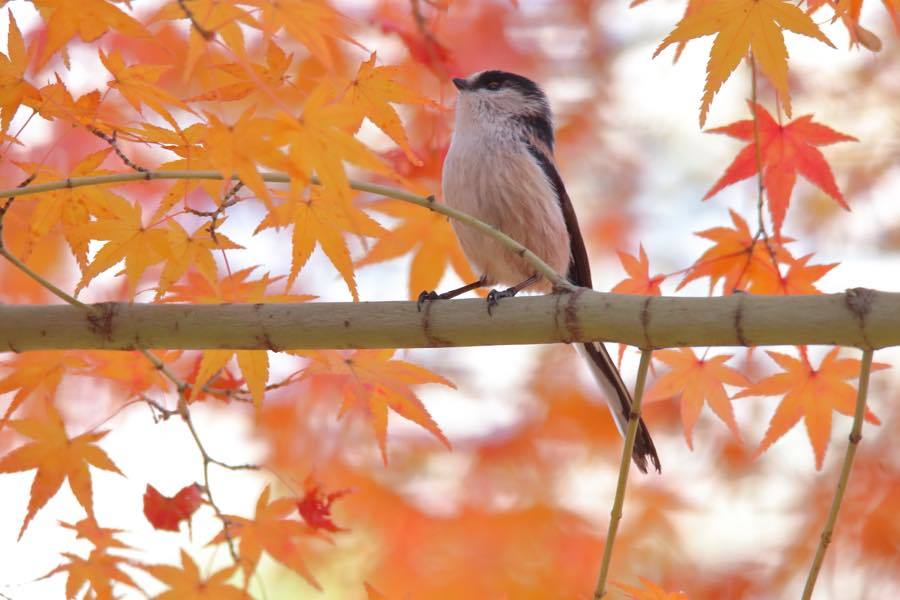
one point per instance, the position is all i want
(859, 301)
(645, 323)
(101, 319)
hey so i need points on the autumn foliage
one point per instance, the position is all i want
(474, 493)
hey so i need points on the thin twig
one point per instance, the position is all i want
(616, 514)
(428, 202)
(114, 143)
(204, 32)
(760, 186)
(855, 438)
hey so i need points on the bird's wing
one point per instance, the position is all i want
(602, 366)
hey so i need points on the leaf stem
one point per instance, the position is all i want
(428, 202)
(855, 438)
(616, 513)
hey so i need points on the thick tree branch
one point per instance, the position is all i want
(858, 317)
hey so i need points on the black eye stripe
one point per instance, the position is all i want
(493, 80)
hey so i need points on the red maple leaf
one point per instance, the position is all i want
(167, 513)
(315, 507)
(784, 151)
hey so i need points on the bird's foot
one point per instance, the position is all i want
(494, 296)
(425, 297)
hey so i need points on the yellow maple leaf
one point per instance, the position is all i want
(14, 90)
(428, 236)
(372, 91)
(184, 251)
(88, 19)
(740, 25)
(137, 84)
(373, 381)
(56, 458)
(126, 239)
(322, 219)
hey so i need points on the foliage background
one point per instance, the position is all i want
(520, 504)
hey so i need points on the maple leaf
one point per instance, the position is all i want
(372, 91)
(738, 258)
(56, 458)
(183, 251)
(187, 583)
(740, 25)
(131, 369)
(811, 394)
(137, 84)
(271, 532)
(801, 276)
(128, 240)
(322, 219)
(638, 280)
(72, 208)
(167, 513)
(237, 150)
(319, 141)
(58, 103)
(426, 235)
(649, 591)
(371, 381)
(785, 150)
(35, 374)
(101, 537)
(372, 593)
(99, 571)
(14, 90)
(214, 18)
(697, 381)
(315, 507)
(313, 24)
(260, 80)
(88, 19)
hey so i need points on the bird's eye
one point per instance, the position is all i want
(493, 85)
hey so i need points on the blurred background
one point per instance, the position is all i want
(519, 507)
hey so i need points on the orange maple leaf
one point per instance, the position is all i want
(742, 25)
(88, 19)
(373, 90)
(697, 381)
(270, 531)
(739, 258)
(35, 374)
(649, 591)
(319, 141)
(183, 251)
(126, 239)
(800, 276)
(99, 571)
(14, 90)
(809, 393)
(71, 209)
(58, 103)
(260, 79)
(426, 235)
(371, 382)
(187, 583)
(101, 537)
(137, 84)
(322, 219)
(131, 369)
(313, 24)
(638, 280)
(56, 458)
(785, 150)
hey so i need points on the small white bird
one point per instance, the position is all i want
(500, 169)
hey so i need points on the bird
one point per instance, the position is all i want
(500, 169)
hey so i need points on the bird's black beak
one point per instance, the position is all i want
(461, 84)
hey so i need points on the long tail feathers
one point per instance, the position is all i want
(619, 401)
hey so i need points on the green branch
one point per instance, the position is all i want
(855, 438)
(616, 514)
(382, 190)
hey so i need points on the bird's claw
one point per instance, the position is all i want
(426, 296)
(494, 296)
